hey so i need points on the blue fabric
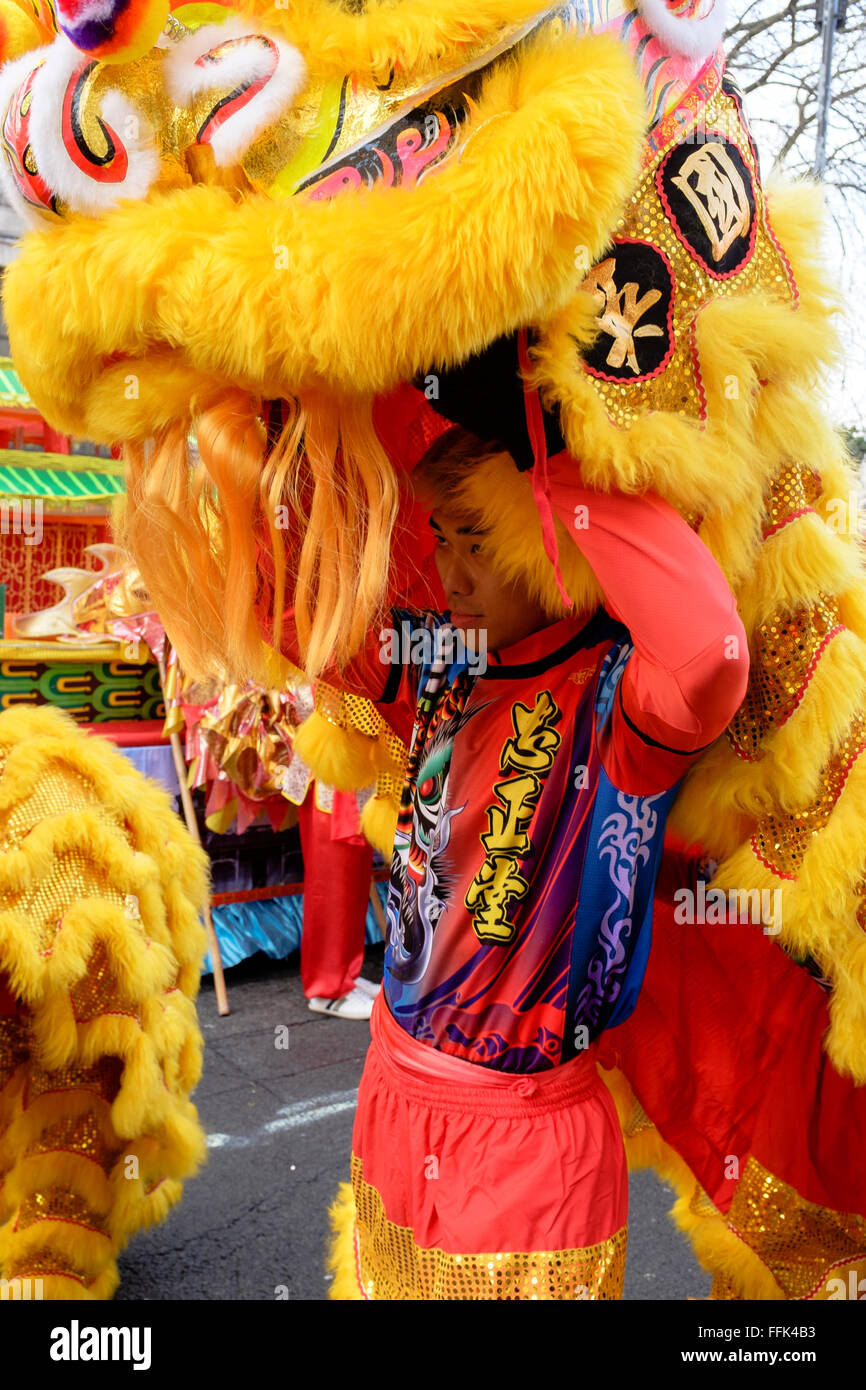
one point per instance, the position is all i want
(272, 926)
(156, 762)
(613, 921)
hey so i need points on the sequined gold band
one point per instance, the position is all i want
(806, 1247)
(392, 1267)
(676, 385)
(780, 841)
(785, 652)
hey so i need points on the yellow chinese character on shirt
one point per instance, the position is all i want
(535, 742)
(497, 882)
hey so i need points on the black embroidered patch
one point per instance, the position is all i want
(634, 289)
(708, 193)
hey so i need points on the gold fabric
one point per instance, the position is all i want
(804, 1246)
(785, 654)
(102, 1079)
(98, 993)
(722, 1289)
(638, 1121)
(61, 1204)
(14, 1047)
(81, 1134)
(60, 1212)
(795, 489)
(678, 387)
(781, 841)
(701, 1205)
(393, 1267)
(72, 877)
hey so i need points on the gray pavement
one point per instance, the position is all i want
(253, 1225)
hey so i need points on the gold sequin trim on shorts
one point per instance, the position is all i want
(392, 1267)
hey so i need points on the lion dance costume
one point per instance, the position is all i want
(100, 960)
(275, 248)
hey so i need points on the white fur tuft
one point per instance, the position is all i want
(185, 80)
(693, 38)
(11, 77)
(71, 184)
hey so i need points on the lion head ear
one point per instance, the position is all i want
(24, 27)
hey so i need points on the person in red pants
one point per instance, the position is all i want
(338, 866)
(545, 752)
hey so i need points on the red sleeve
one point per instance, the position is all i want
(688, 673)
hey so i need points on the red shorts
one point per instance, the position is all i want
(471, 1183)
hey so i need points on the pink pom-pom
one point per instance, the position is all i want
(115, 31)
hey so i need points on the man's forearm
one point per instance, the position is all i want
(690, 666)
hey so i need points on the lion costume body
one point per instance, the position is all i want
(100, 960)
(297, 233)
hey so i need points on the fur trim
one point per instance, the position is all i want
(716, 1246)
(65, 178)
(697, 37)
(379, 824)
(341, 1255)
(342, 758)
(404, 37)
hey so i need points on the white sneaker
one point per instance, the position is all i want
(367, 987)
(356, 1004)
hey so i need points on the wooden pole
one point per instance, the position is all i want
(192, 826)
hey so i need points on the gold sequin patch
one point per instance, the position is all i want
(722, 1289)
(59, 791)
(60, 1204)
(356, 713)
(72, 877)
(44, 1262)
(392, 1267)
(97, 992)
(677, 388)
(785, 653)
(638, 1121)
(14, 1046)
(804, 1246)
(389, 788)
(795, 489)
(81, 1135)
(103, 1078)
(780, 841)
(700, 1204)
